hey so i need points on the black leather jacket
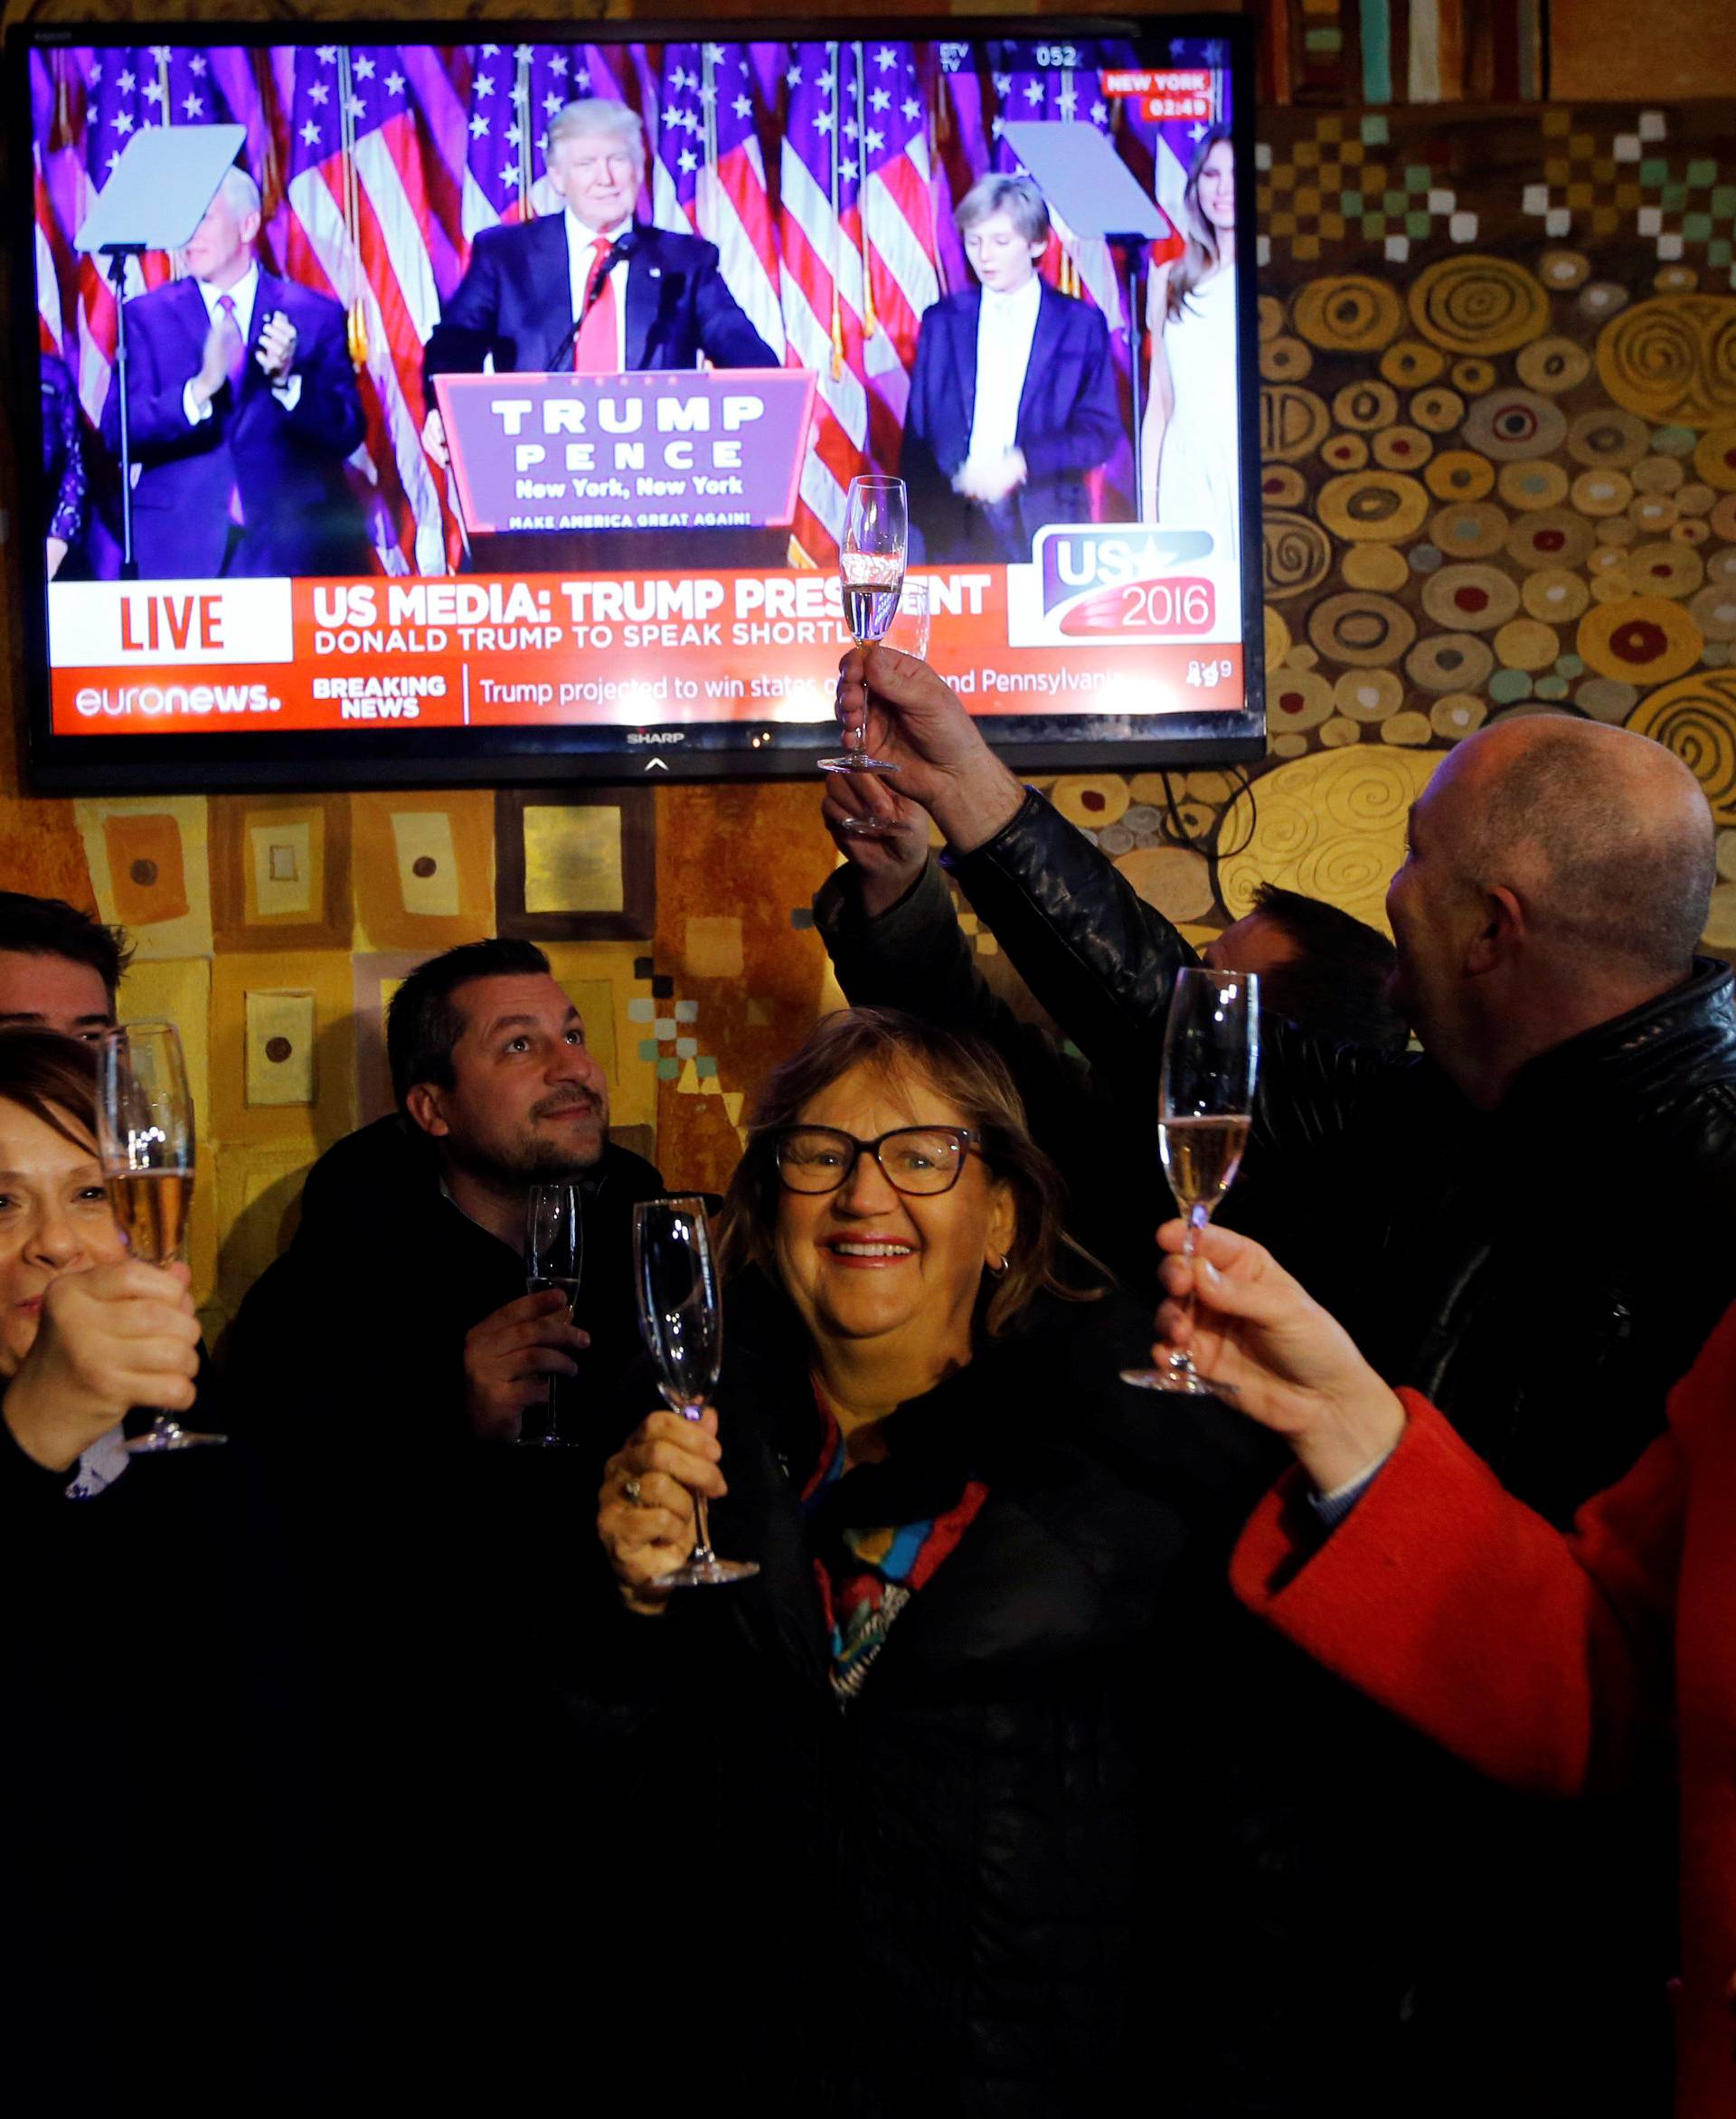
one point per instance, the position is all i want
(1544, 1272)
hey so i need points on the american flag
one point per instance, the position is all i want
(825, 173)
(858, 233)
(708, 173)
(511, 93)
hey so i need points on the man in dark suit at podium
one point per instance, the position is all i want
(1013, 394)
(646, 298)
(591, 289)
(241, 406)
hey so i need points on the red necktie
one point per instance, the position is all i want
(593, 351)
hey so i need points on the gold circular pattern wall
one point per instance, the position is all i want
(1348, 313)
(1696, 718)
(1673, 359)
(1478, 305)
(1293, 421)
(1296, 552)
(1331, 825)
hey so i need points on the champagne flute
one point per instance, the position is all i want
(554, 1257)
(909, 634)
(682, 1320)
(871, 572)
(1205, 1104)
(144, 1143)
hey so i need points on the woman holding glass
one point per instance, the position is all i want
(1553, 1662)
(154, 1892)
(87, 1332)
(943, 1717)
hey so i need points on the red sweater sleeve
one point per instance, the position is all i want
(1529, 1654)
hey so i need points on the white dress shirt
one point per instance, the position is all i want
(243, 294)
(1006, 326)
(581, 255)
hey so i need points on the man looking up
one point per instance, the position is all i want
(241, 406)
(1487, 1217)
(60, 969)
(392, 1338)
(422, 1217)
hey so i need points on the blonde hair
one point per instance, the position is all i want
(973, 1077)
(1015, 197)
(1203, 255)
(591, 116)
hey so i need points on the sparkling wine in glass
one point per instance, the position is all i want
(1205, 1103)
(909, 634)
(144, 1139)
(871, 573)
(554, 1257)
(681, 1317)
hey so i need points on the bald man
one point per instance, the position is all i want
(1530, 1220)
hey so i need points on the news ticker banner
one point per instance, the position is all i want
(1106, 619)
(658, 451)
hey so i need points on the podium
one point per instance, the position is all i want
(597, 473)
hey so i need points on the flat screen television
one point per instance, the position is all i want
(490, 410)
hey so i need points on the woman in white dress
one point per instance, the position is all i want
(1188, 443)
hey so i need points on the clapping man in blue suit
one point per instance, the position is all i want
(1013, 395)
(242, 407)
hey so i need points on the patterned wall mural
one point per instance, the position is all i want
(1498, 357)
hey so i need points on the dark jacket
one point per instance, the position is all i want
(514, 302)
(286, 467)
(385, 1268)
(1070, 421)
(155, 1776)
(980, 1888)
(1543, 1272)
(430, 1564)
(63, 475)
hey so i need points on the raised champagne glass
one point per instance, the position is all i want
(871, 572)
(681, 1317)
(554, 1258)
(909, 634)
(1206, 1106)
(144, 1140)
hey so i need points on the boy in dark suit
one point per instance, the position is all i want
(1013, 395)
(242, 407)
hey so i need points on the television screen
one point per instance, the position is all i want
(421, 410)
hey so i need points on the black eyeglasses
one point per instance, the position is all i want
(919, 1159)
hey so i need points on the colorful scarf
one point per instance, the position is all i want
(865, 1575)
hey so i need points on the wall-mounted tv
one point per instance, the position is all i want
(413, 409)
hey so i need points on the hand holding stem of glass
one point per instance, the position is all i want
(871, 554)
(1205, 1102)
(681, 1319)
(144, 1140)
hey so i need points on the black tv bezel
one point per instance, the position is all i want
(318, 761)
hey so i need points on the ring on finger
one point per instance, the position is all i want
(630, 1488)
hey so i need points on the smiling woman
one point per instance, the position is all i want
(86, 1333)
(975, 1541)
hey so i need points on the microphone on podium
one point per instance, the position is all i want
(617, 253)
